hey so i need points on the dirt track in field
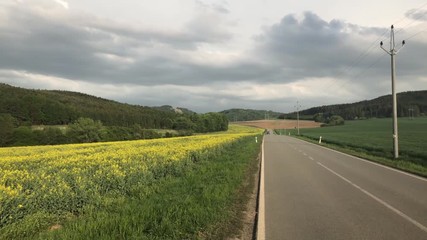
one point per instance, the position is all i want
(279, 124)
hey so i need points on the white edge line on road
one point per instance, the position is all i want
(370, 162)
(406, 217)
(261, 210)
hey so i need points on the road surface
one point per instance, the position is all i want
(310, 192)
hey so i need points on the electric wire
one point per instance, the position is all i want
(363, 55)
(353, 66)
(333, 86)
(417, 33)
(414, 19)
(358, 60)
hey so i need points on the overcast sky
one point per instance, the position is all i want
(210, 55)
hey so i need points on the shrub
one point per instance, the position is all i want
(335, 120)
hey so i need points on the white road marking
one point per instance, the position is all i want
(312, 159)
(370, 162)
(261, 206)
(406, 217)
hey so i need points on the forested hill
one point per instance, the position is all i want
(237, 114)
(414, 103)
(46, 107)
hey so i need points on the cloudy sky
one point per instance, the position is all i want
(209, 55)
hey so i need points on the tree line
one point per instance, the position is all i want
(104, 120)
(237, 114)
(409, 104)
(86, 130)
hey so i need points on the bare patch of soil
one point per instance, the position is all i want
(55, 227)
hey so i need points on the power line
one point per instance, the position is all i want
(417, 33)
(375, 62)
(348, 70)
(298, 107)
(413, 19)
(361, 57)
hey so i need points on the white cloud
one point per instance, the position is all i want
(62, 3)
(38, 81)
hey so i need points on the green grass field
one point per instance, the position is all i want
(373, 139)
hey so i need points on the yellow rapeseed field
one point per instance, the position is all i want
(63, 178)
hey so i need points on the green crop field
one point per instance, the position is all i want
(373, 138)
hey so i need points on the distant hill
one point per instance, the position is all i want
(414, 103)
(91, 119)
(237, 114)
(36, 107)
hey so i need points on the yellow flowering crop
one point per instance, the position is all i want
(64, 178)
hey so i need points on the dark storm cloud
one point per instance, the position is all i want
(87, 49)
(76, 46)
(312, 47)
(56, 42)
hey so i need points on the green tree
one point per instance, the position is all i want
(335, 120)
(318, 117)
(51, 136)
(7, 124)
(183, 123)
(24, 136)
(85, 130)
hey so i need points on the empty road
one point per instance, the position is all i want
(309, 192)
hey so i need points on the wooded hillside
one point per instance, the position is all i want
(237, 114)
(90, 119)
(43, 107)
(409, 103)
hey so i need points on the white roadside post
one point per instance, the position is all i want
(320, 139)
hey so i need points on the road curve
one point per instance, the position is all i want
(311, 192)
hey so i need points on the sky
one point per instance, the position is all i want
(208, 55)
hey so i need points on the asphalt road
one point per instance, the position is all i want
(309, 192)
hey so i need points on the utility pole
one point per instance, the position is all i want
(298, 106)
(411, 113)
(393, 52)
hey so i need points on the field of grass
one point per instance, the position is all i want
(180, 188)
(373, 139)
